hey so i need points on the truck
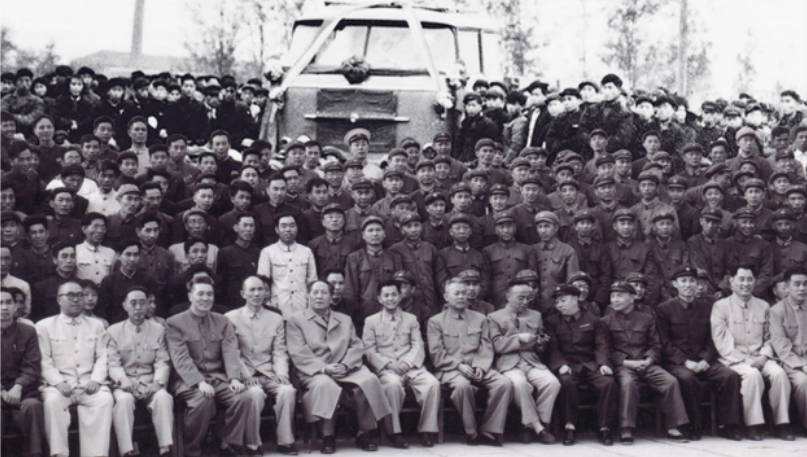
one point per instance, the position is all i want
(391, 67)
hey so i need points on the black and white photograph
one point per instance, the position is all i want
(478, 228)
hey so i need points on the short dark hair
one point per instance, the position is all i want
(136, 119)
(219, 132)
(92, 216)
(315, 182)
(60, 246)
(733, 269)
(147, 217)
(387, 283)
(193, 240)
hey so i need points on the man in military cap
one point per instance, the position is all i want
(435, 227)
(706, 251)
(605, 192)
(411, 301)
(673, 135)
(332, 247)
(475, 126)
(393, 345)
(739, 325)
(358, 142)
(418, 257)
(25, 106)
(687, 214)
(367, 267)
(533, 201)
(744, 247)
(556, 260)
(626, 254)
(577, 354)
(472, 280)
(564, 131)
(650, 204)
(363, 193)
(519, 341)
(505, 257)
(443, 148)
(710, 123)
(425, 175)
(749, 148)
(462, 354)
(688, 353)
(461, 255)
(634, 349)
(668, 249)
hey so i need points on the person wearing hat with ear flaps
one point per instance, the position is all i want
(610, 115)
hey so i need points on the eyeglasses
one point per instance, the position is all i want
(73, 295)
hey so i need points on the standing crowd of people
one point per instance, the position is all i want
(560, 244)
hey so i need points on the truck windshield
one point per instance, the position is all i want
(388, 45)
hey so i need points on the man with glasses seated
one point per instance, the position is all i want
(74, 372)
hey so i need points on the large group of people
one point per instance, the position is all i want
(556, 245)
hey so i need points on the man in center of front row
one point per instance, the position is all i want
(518, 337)
(393, 344)
(462, 354)
(139, 367)
(264, 361)
(327, 355)
(634, 349)
(204, 352)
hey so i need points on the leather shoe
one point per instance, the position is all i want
(287, 450)
(732, 433)
(626, 436)
(397, 440)
(328, 445)
(754, 433)
(526, 436)
(605, 437)
(496, 440)
(229, 451)
(568, 437)
(681, 438)
(783, 432)
(545, 437)
(366, 442)
(427, 440)
(695, 434)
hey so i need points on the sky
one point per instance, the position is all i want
(778, 34)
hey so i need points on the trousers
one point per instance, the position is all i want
(427, 393)
(752, 385)
(94, 420)
(672, 405)
(28, 416)
(463, 396)
(695, 389)
(201, 410)
(285, 401)
(798, 382)
(526, 379)
(604, 389)
(320, 387)
(160, 405)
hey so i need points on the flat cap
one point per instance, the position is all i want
(499, 189)
(623, 213)
(598, 132)
(636, 276)
(711, 185)
(712, 214)
(356, 134)
(362, 183)
(716, 169)
(732, 111)
(404, 276)
(745, 131)
(192, 212)
(532, 150)
(441, 137)
(333, 166)
(372, 219)
(526, 275)
(661, 215)
(677, 181)
(692, 147)
(754, 182)
(519, 162)
(392, 173)
(562, 166)
(547, 216)
(648, 176)
(469, 275)
(476, 173)
(504, 218)
(459, 218)
(397, 152)
(584, 214)
(333, 208)
(604, 181)
(796, 189)
(565, 289)
(353, 163)
(127, 189)
(611, 78)
(623, 154)
(73, 170)
(685, 272)
(744, 213)
(783, 213)
(622, 286)
(433, 197)
(484, 142)
(424, 164)
(603, 160)
(459, 187)
(660, 155)
(409, 216)
(442, 159)
(398, 199)
(579, 276)
(534, 180)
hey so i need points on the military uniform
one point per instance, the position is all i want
(504, 261)
(788, 327)
(556, 262)
(464, 337)
(392, 338)
(363, 272)
(522, 364)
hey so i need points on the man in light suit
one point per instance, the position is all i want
(393, 345)
(788, 320)
(462, 353)
(204, 353)
(74, 370)
(265, 362)
(139, 367)
(328, 357)
(518, 339)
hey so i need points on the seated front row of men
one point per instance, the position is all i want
(681, 349)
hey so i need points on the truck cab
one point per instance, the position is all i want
(384, 66)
